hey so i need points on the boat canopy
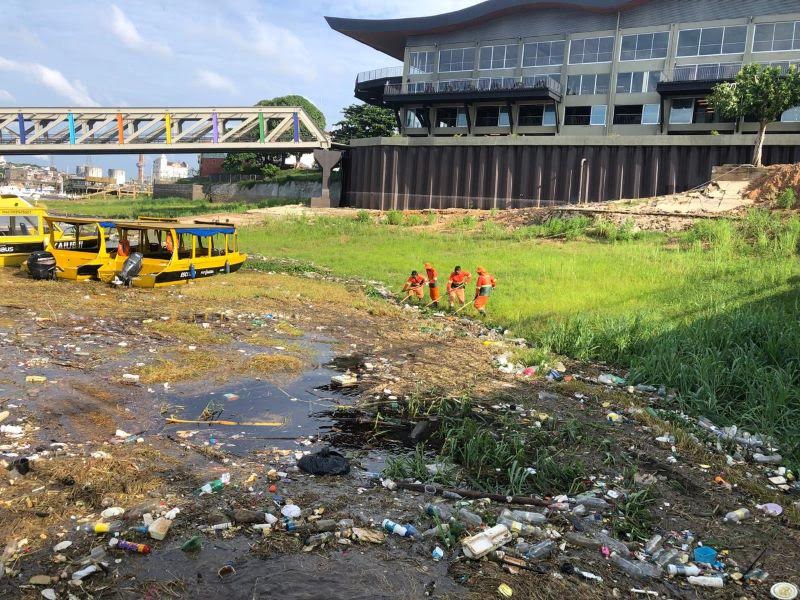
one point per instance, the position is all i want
(197, 229)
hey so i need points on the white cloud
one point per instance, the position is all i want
(129, 35)
(215, 81)
(5, 96)
(74, 91)
(285, 50)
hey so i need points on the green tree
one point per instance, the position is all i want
(267, 164)
(364, 121)
(761, 93)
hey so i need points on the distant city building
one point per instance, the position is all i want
(118, 175)
(88, 171)
(166, 171)
(210, 164)
(30, 178)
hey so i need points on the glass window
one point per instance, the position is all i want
(653, 77)
(460, 59)
(599, 113)
(543, 54)
(421, 62)
(637, 82)
(537, 115)
(451, 117)
(628, 115)
(651, 114)
(499, 57)
(624, 83)
(682, 111)
(777, 37)
(492, 116)
(577, 115)
(591, 50)
(644, 46)
(791, 116)
(588, 84)
(711, 41)
(414, 118)
(537, 81)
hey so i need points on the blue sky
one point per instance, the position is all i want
(204, 52)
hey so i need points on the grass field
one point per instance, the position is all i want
(713, 312)
(146, 207)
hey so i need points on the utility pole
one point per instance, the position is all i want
(140, 164)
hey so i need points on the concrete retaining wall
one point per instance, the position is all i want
(178, 190)
(233, 192)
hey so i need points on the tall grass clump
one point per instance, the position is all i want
(716, 234)
(394, 217)
(787, 199)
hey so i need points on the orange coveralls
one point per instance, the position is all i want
(415, 286)
(433, 283)
(456, 285)
(483, 289)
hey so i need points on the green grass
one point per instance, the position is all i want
(114, 208)
(713, 312)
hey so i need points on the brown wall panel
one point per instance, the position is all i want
(520, 176)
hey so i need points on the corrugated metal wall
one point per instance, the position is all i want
(422, 177)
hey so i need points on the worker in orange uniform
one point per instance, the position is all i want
(457, 284)
(433, 284)
(483, 289)
(124, 247)
(415, 286)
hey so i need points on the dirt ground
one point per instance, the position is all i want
(89, 376)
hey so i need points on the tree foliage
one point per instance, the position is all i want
(364, 121)
(251, 163)
(761, 93)
(294, 100)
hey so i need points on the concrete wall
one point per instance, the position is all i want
(178, 190)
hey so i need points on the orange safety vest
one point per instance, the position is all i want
(485, 284)
(432, 277)
(124, 248)
(417, 281)
(459, 280)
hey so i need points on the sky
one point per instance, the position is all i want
(169, 53)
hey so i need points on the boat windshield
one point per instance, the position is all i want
(19, 225)
(79, 237)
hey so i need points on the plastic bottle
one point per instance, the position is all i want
(737, 516)
(402, 531)
(653, 544)
(479, 545)
(434, 532)
(635, 569)
(593, 503)
(129, 546)
(685, 570)
(615, 545)
(582, 541)
(541, 550)
(442, 513)
(518, 528)
(774, 459)
(216, 485)
(666, 556)
(470, 518)
(100, 527)
(714, 582)
(319, 539)
(525, 516)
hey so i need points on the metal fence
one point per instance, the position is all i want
(482, 84)
(384, 73)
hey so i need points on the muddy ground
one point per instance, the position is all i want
(91, 375)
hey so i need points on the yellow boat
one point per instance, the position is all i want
(164, 253)
(23, 229)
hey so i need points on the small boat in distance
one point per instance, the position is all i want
(23, 229)
(165, 253)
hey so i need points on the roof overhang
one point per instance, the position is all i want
(390, 35)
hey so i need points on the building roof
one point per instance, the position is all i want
(390, 35)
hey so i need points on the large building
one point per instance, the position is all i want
(560, 87)
(165, 171)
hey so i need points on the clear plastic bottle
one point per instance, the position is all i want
(614, 545)
(518, 528)
(582, 541)
(653, 544)
(100, 527)
(593, 503)
(636, 569)
(524, 516)
(470, 518)
(737, 516)
(666, 556)
(443, 513)
(541, 550)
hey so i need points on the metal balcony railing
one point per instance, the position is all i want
(376, 74)
(483, 84)
(715, 72)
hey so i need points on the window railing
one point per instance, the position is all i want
(474, 85)
(376, 74)
(721, 72)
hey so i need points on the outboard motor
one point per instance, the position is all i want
(41, 265)
(131, 268)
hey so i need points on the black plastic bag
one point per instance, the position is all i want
(324, 462)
